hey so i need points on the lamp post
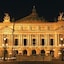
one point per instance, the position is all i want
(43, 54)
(4, 47)
(61, 47)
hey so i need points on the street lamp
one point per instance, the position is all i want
(4, 47)
(61, 46)
(61, 42)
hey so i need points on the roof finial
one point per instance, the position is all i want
(34, 11)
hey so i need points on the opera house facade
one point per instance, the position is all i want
(32, 35)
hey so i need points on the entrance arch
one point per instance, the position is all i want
(43, 52)
(24, 52)
(15, 52)
(52, 53)
(33, 52)
(62, 54)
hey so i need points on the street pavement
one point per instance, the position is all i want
(31, 62)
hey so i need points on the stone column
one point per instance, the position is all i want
(48, 40)
(39, 40)
(9, 37)
(1, 40)
(56, 40)
(30, 40)
(21, 40)
(56, 52)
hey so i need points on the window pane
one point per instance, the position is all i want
(51, 42)
(16, 41)
(34, 40)
(42, 42)
(25, 42)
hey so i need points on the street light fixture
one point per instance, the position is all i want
(61, 46)
(61, 42)
(4, 47)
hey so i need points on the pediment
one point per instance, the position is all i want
(61, 28)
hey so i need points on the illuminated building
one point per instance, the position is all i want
(32, 35)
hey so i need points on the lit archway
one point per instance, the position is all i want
(33, 52)
(62, 54)
(52, 53)
(43, 52)
(15, 52)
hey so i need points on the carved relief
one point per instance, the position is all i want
(60, 28)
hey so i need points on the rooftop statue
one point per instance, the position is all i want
(6, 17)
(60, 17)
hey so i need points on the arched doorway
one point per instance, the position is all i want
(62, 54)
(52, 53)
(43, 52)
(33, 52)
(24, 52)
(15, 52)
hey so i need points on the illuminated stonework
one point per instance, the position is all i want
(32, 35)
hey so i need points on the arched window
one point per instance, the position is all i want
(16, 51)
(33, 52)
(16, 42)
(25, 42)
(24, 52)
(51, 42)
(33, 42)
(42, 52)
(42, 42)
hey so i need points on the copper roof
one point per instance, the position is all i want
(32, 18)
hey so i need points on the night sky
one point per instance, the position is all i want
(18, 9)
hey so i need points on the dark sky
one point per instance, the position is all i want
(49, 9)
